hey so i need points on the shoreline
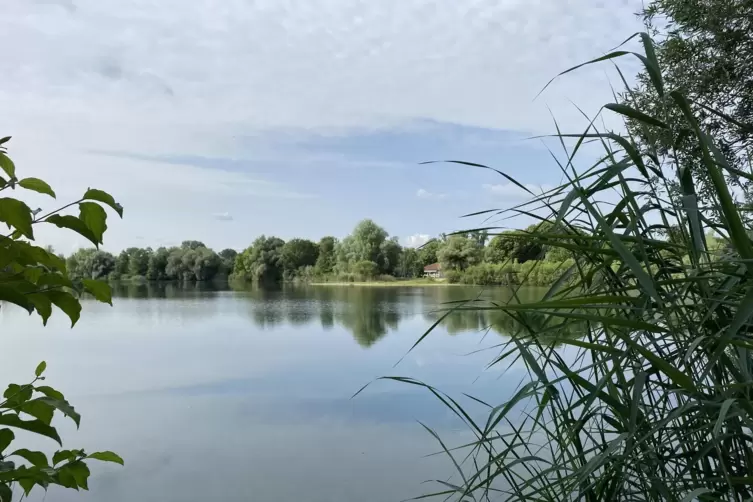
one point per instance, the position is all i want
(410, 283)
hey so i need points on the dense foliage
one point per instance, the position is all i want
(366, 254)
(652, 401)
(369, 253)
(192, 261)
(35, 279)
(704, 48)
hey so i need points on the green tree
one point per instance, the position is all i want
(459, 252)
(427, 254)
(157, 265)
(365, 243)
(501, 248)
(325, 263)
(138, 261)
(479, 237)
(176, 269)
(389, 256)
(409, 264)
(203, 263)
(705, 48)
(261, 262)
(90, 264)
(297, 253)
(37, 280)
(366, 269)
(228, 260)
(528, 246)
(192, 244)
(192, 264)
(121, 264)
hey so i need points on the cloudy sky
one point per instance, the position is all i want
(224, 120)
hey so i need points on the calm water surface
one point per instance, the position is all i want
(225, 395)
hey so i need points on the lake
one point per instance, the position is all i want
(213, 394)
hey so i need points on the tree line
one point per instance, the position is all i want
(368, 253)
(191, 261)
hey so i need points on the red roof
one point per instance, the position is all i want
(434, 267)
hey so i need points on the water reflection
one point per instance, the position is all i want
(368, 313)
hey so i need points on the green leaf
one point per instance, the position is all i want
(35, 426)
(18, 394)
(75, 224)
(627, 256)
(66, 478)
(678, 377)
(37, 458)
(63, 406)
(7, 165)
(67, 303)
(39, 410)
(37, 185)
(12, 295)
(54, 280)
(94, 217)
(27, 484)
(50, 392)
(42, 305)
(17, 215)
(79, 471)
(100, 289)
(635, 114)
(6, 494)
(34, 255)
(593, 346)
(722, 416)
(6, 437)
(56, 262)
(107, 456)
(32, 274)
(651, 63)
(105, 198)
(734, 224)
(40, 368)
(63, 455)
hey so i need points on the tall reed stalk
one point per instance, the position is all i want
(658, 403)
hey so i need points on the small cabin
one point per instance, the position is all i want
(434, 270)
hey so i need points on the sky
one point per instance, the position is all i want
(223, 120)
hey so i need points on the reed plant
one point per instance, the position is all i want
(652, 400)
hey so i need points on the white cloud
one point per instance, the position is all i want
(416, 240)
(189, 77)
(511, 190)
(261, 64)
(223, 216)
(425, 194)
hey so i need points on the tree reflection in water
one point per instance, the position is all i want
(368, 313)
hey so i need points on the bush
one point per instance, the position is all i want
(346, 277)
(366, 270)
(453, 276)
